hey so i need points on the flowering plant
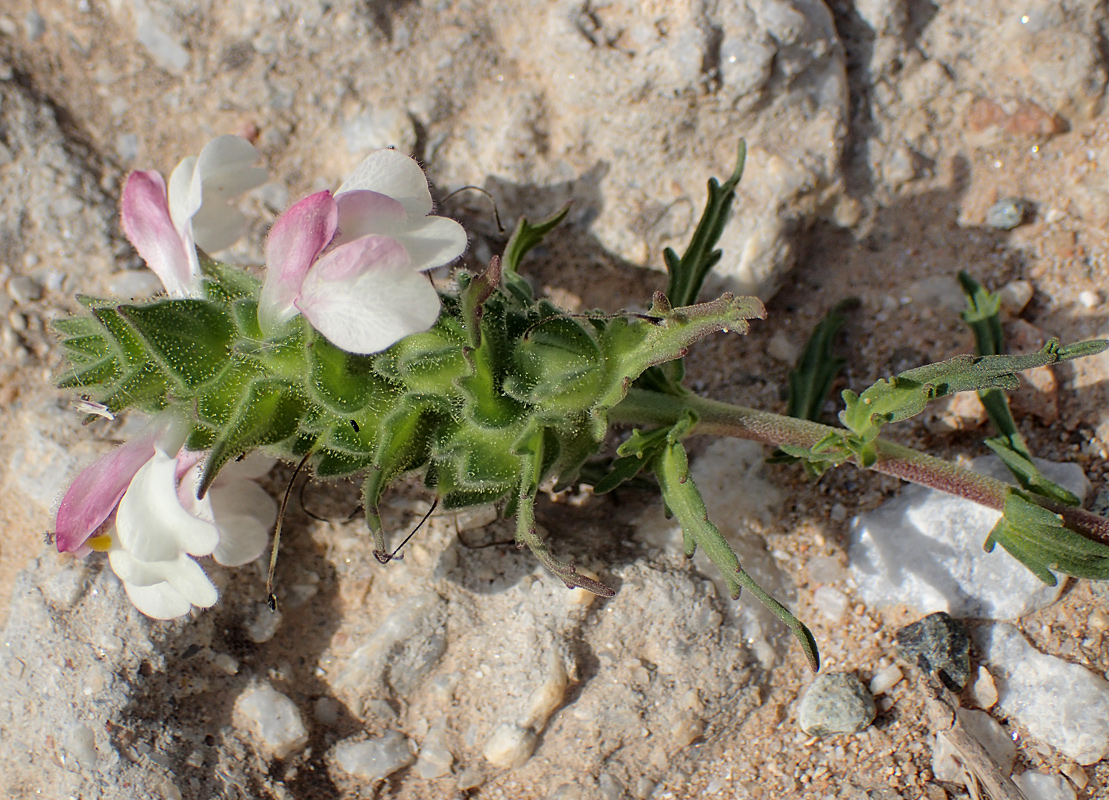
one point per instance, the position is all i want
(346, 359)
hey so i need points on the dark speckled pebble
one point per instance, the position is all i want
(937, 643)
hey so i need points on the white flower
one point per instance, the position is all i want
(352, 263)
(167, 225)
(160, 526)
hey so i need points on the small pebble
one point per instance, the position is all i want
(836, 702)
(510, 746)
(1088, 299)
(1037, 786)
(825, 569)
(1007, 213)
(831, 602)
(1076, 774)
(273, 718)
(937, 643)
(374, 759)
(1015, 296)
(435, 759)
(470, 778)
(984, 691)
(263, 626)
(80, 742)
(885, 679)
(22, 289)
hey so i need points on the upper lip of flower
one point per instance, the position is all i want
(351, 263)
(167, 225)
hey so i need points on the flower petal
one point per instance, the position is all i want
(160, 601)
(365, 296)
(147, 223)
(151, 523)
(363, 212)
(163, 589)
(395, 175)
(96, 492)
(244, 513)
(433, 241)
(295, 241)
(224, 170)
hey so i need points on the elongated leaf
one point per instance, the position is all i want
(684, 500)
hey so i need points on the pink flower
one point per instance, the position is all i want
(352, 263)
(167, 225)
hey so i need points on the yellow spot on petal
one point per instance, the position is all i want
(101, 544)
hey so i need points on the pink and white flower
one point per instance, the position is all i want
(160, 525)
(352, 263)
(167, 225)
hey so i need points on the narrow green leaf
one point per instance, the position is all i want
(526, 236)
(671, 467)
(811, 380)
(688, 273)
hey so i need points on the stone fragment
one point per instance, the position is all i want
(159, 43)
(510, 746)
(1037, 786)
(1061, 704)
(1007, 213)
(273, 718)
(937, 644)
(435, 759)
(984, 691)
(989, 734)
(885, 679)
(836, 702)
(1015, 296)
(376, 758)
(1090, 299)
(923, 549)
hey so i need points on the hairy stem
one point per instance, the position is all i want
(723, 419)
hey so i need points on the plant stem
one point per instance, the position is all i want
(723, 419)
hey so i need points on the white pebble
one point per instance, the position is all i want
(885, 679)
(273, 718)
(1037, 786)
(831, 602)
(548, 696)
(1061, 704)
(1090, 299)
(374, 759)
(923, 549)
(22, 289)
(435, 759)
(825, 569)
(80, 742)
(264, 624)
(510, 746)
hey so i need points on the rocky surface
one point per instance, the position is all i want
(881, 134)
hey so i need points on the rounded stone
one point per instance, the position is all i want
(1007, 213)
(836, 702)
